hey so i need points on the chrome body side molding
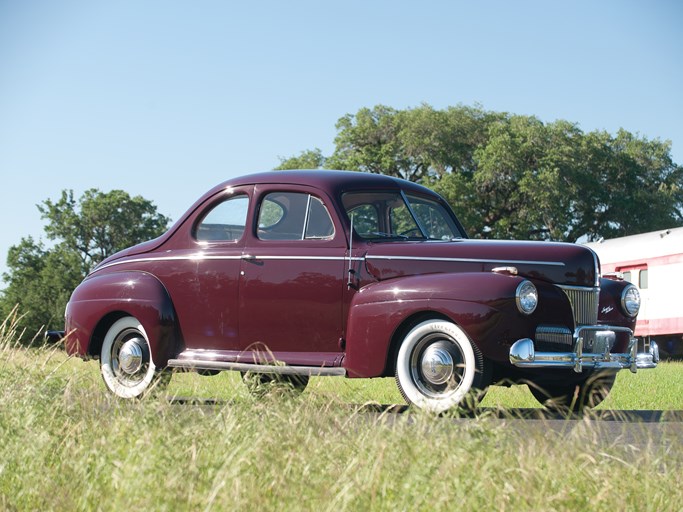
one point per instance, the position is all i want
(463, 260)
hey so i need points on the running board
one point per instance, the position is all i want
(311, 371)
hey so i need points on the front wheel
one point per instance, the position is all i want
(438, 368)
(576, 396)
(126, 360)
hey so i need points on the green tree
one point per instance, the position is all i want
(40, 280)
(520, 185)
(369, 141)
(553, 182)
(99, 224)
(633, 184)
(511, 176)
(413, 144)
(309, 159)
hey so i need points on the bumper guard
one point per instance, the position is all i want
(523, 353)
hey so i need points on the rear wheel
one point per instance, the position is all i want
(126, 360)
(576, 396)
(439, 368)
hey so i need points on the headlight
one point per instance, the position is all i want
(630, 300)
(526, 297)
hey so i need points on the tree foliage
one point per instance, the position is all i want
(309, 159)
(40, 279)
(512, 176)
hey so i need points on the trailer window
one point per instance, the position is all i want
(636, 275)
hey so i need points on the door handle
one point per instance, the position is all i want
(252, 259)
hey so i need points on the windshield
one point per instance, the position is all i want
(378, 215)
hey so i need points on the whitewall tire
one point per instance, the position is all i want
(126, 359)
(439, 368)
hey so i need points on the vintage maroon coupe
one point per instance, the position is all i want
(287, 275)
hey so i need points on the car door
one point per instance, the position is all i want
(292, 279)
(203, 275)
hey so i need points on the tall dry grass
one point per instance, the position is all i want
(68, 445)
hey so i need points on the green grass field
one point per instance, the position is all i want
(69, 445)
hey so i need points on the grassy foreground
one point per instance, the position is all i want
(68, 445)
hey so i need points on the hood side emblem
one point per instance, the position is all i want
(510, 271)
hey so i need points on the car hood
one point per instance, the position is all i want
(555, 262)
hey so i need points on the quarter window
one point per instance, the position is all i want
(318, 224)
(225, 222)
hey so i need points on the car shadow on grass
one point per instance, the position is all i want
(634, 416)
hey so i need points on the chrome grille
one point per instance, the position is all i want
(584, 303)
(557, 335)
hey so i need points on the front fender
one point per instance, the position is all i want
(611, 311)
(481, 303)
(101, 299)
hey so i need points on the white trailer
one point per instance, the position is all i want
(654, 262)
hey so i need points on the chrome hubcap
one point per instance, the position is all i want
(130, 356)
(437, 365)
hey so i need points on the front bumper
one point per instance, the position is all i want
(523, 353)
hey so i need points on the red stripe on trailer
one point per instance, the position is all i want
(669, 259)
(659, 326)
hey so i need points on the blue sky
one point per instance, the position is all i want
(167, 98)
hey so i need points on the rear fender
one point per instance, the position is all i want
(482, 304)
(102, 299)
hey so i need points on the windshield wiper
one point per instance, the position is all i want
(379, 234)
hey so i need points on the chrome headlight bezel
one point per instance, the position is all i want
(630, 301)
(526, 297)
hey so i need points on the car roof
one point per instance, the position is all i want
(332, 181)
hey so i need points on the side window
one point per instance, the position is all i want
(402, 222)
(643, 279)
(365, 220)
(225, 222)
(272, 212)
(434, 219)
(319, 224)
(293, 216)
